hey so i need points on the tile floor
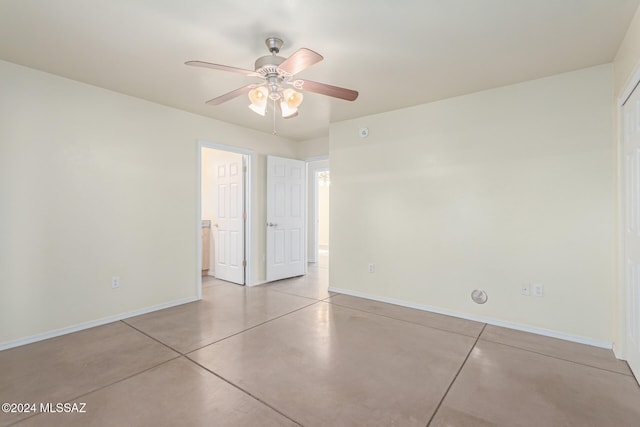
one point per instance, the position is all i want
(291, 353)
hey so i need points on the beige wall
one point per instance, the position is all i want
(625, 65)
(95, 184)
(313, 148)
(491, 190)
(628, 57)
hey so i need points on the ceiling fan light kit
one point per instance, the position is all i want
(258, 98)
(290, 102)
(279, 85)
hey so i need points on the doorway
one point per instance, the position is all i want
(223, 213)
(323, 183)
(319, 179)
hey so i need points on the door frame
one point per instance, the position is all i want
(620, 321)
(315, 165)
(248, 191)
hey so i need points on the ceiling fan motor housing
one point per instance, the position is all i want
(267, 67)
(268, 64)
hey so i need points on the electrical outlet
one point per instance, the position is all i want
(525, 290)
(115, 282)
(538, 290)
(372, 268)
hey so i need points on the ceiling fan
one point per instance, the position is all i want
(279, 85)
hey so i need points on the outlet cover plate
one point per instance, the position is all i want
(538, 290)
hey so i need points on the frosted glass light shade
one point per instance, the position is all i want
(290, 102)
(258, 98)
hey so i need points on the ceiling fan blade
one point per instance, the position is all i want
(300, 60)
(221, 67)
(325, 89)
(233, 94)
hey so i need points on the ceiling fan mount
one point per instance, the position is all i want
(279, 85)
(274, 44)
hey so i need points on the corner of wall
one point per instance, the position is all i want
(313, 148)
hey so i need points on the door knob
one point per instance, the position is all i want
(215, 225)
(271, 224)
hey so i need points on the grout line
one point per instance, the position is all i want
(632, 373)
(102, 387)
(485, 339)
(179, 355)
(221, 339)
(290, 294)
(130, 376)
(244, 391)
(152, 337)
(456, 376)
(412, 323)
(557, 357)
(252, 327)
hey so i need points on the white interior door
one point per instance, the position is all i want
(229, 226)
(631, 202)
(286, 214)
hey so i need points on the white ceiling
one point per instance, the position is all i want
(395, 53)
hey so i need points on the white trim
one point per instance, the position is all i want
(316, 158)
(619, 321)
(620, 348)
(306, 220)
(313, 167)
(316, 210)
(251, 163)
(92, 324)
(257, 283)
(251, 166)
(482, 319)
(617, 353)
(199, 221)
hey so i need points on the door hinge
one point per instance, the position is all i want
(244, 216)
(244, 169)
(244, 263)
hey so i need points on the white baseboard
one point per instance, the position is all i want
(91, 324)
(618, 353)
(488, 320)
(256, 283)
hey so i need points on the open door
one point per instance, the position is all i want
(229, 227)
(631, 206)
(286, 217)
